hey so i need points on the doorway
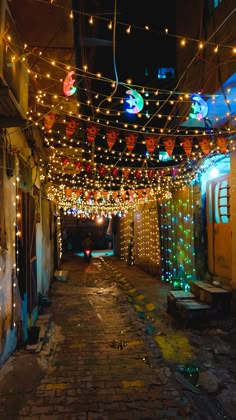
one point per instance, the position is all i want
(219, 238)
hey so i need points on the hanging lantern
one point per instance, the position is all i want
(71, 126)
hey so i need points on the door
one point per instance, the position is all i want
(29, 267)
(219, 226)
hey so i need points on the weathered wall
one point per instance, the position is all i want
(9, 295)
(14, 310)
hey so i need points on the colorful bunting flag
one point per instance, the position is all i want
(169, 144)
(187, 146)
(111, 136)
(50, 120)
(71, 126)
(151, 143)
(222, 144)
(130, 141)
(92, 132)
(205, 145)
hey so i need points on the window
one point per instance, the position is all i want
(224, 207)
(165, 73)
(216, 3)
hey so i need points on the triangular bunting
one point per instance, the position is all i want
(50, 120)
(205, 145)
(130, 139)
(222, 144)
(111, 136)
(187, 146)
(71, 126)
(151, 143)
(92, 131)
(169, 144)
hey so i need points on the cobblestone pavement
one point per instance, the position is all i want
(111, 351)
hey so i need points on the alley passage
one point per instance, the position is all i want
(103, 366)
(104, 363)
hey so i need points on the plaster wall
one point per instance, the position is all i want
(233, 214)
(47, 246)
(14, 317)
(9, 316)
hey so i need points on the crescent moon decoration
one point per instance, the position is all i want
(68, 86)
(199, 108)
(135, 102)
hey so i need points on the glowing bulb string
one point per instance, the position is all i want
(190, 64)
(65, 69)
(142, 28)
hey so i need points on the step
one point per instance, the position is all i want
(174, 296)
(61, 275)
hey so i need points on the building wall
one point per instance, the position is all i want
(199, 68)
(15, 318)
(8, 294)
(233, 215)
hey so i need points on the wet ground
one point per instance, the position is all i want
(111, 351)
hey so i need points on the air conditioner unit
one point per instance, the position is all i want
(13, 72)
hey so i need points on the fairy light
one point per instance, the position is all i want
(17, 229)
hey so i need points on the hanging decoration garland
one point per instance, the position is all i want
(205, 145)
(130, 139)
(135, 102)
(169, 144)
(151, 143)
(68, 85)
(187, 146)
(199, 108)
(50, 120)
(92, 131)
(222, 144)
(111, 136)
(71, 126)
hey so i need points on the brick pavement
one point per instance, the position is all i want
(107, 359)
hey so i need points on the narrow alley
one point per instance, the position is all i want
(111, 351)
